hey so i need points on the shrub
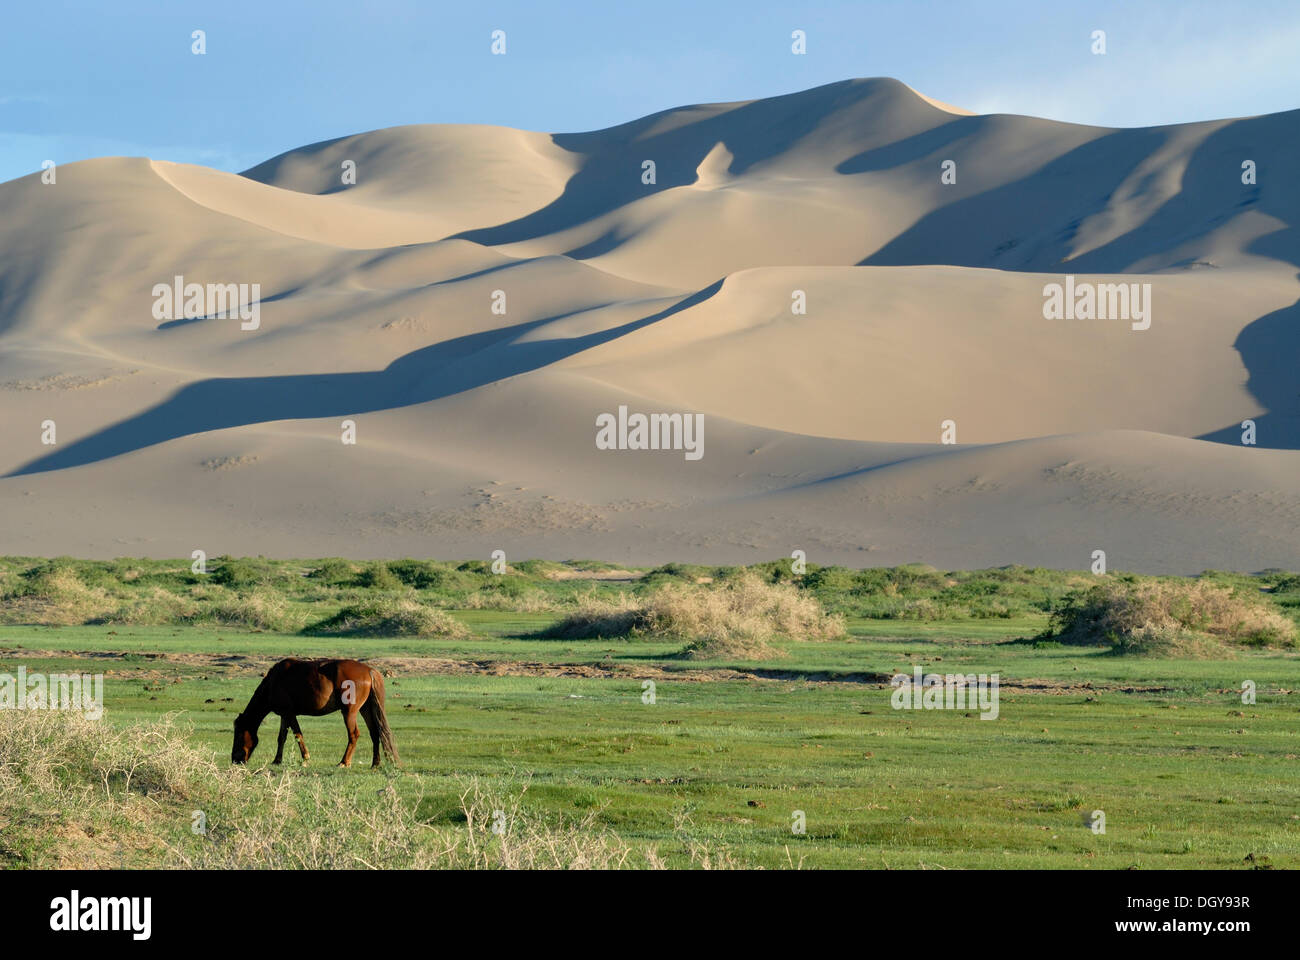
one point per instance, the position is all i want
(521, 599)
(540, 569)
(1163, 641)
(674, 573)
(260, 609)
(1286, 583)
(154, 606)
(420, 574)
(740, 617)
(377, 576)
(230, 572)
(54, 593)
(829, 580)
(334, 571)
(1179, 616)
(390, 617)
(600, 617)
(506, 586)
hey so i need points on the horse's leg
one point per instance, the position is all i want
(297, 732)
(350, 711)
(372, 724)
(279, 746)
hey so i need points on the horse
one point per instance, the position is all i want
(313, 688)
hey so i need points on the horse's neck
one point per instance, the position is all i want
(259, 705)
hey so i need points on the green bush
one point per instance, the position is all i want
(389, 617)
(334, 571)
(428, 575)
(377, 576)
(229, 572)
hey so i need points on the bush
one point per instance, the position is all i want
(230, 572)
(739, 618)
(260, 609)
(600, 617)
(377, 576)
(829, 580)
(154, 606)
(540, 569)
(1286, 583)
(390, 617)
(334, 571)
(1155, 641)
(1177, 616)
(54, 593)
(419, 574)
(504, 585)
(518, 597)
(674, 573)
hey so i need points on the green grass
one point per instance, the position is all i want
(1188, 777)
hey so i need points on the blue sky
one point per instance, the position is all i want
(86, 79)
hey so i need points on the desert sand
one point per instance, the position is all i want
(476, 427)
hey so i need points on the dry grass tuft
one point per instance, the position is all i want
(741, 617)
(80, 792)
(55, 595)
(1194, 618)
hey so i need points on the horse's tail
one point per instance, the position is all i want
(375, 703)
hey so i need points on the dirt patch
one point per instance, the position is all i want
(231, 663)
(824, 676)
(425, 666)
(438, 666)
(1063, 687)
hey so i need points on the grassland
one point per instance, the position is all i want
(556, 730)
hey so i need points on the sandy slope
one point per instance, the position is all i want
(476, 426)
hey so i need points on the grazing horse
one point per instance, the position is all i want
(313, 688)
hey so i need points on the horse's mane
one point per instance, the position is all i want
(259, 695)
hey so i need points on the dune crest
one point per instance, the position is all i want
(945, 107)
(836, 280)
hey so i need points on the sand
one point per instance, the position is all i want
(481, 295)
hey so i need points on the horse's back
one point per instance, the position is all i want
(326, 667)
(311, 687)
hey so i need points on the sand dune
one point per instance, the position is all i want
(480, 295)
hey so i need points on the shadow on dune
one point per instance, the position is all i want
(1027, 224)
(610, 175)
(910, 149)
(429, 373)
(1269, 348)
(1030, 224)
(1047, 209)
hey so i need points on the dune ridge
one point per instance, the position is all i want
(797, 270)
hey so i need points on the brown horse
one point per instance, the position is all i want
(313, 688)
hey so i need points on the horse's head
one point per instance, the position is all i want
(245, 740)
